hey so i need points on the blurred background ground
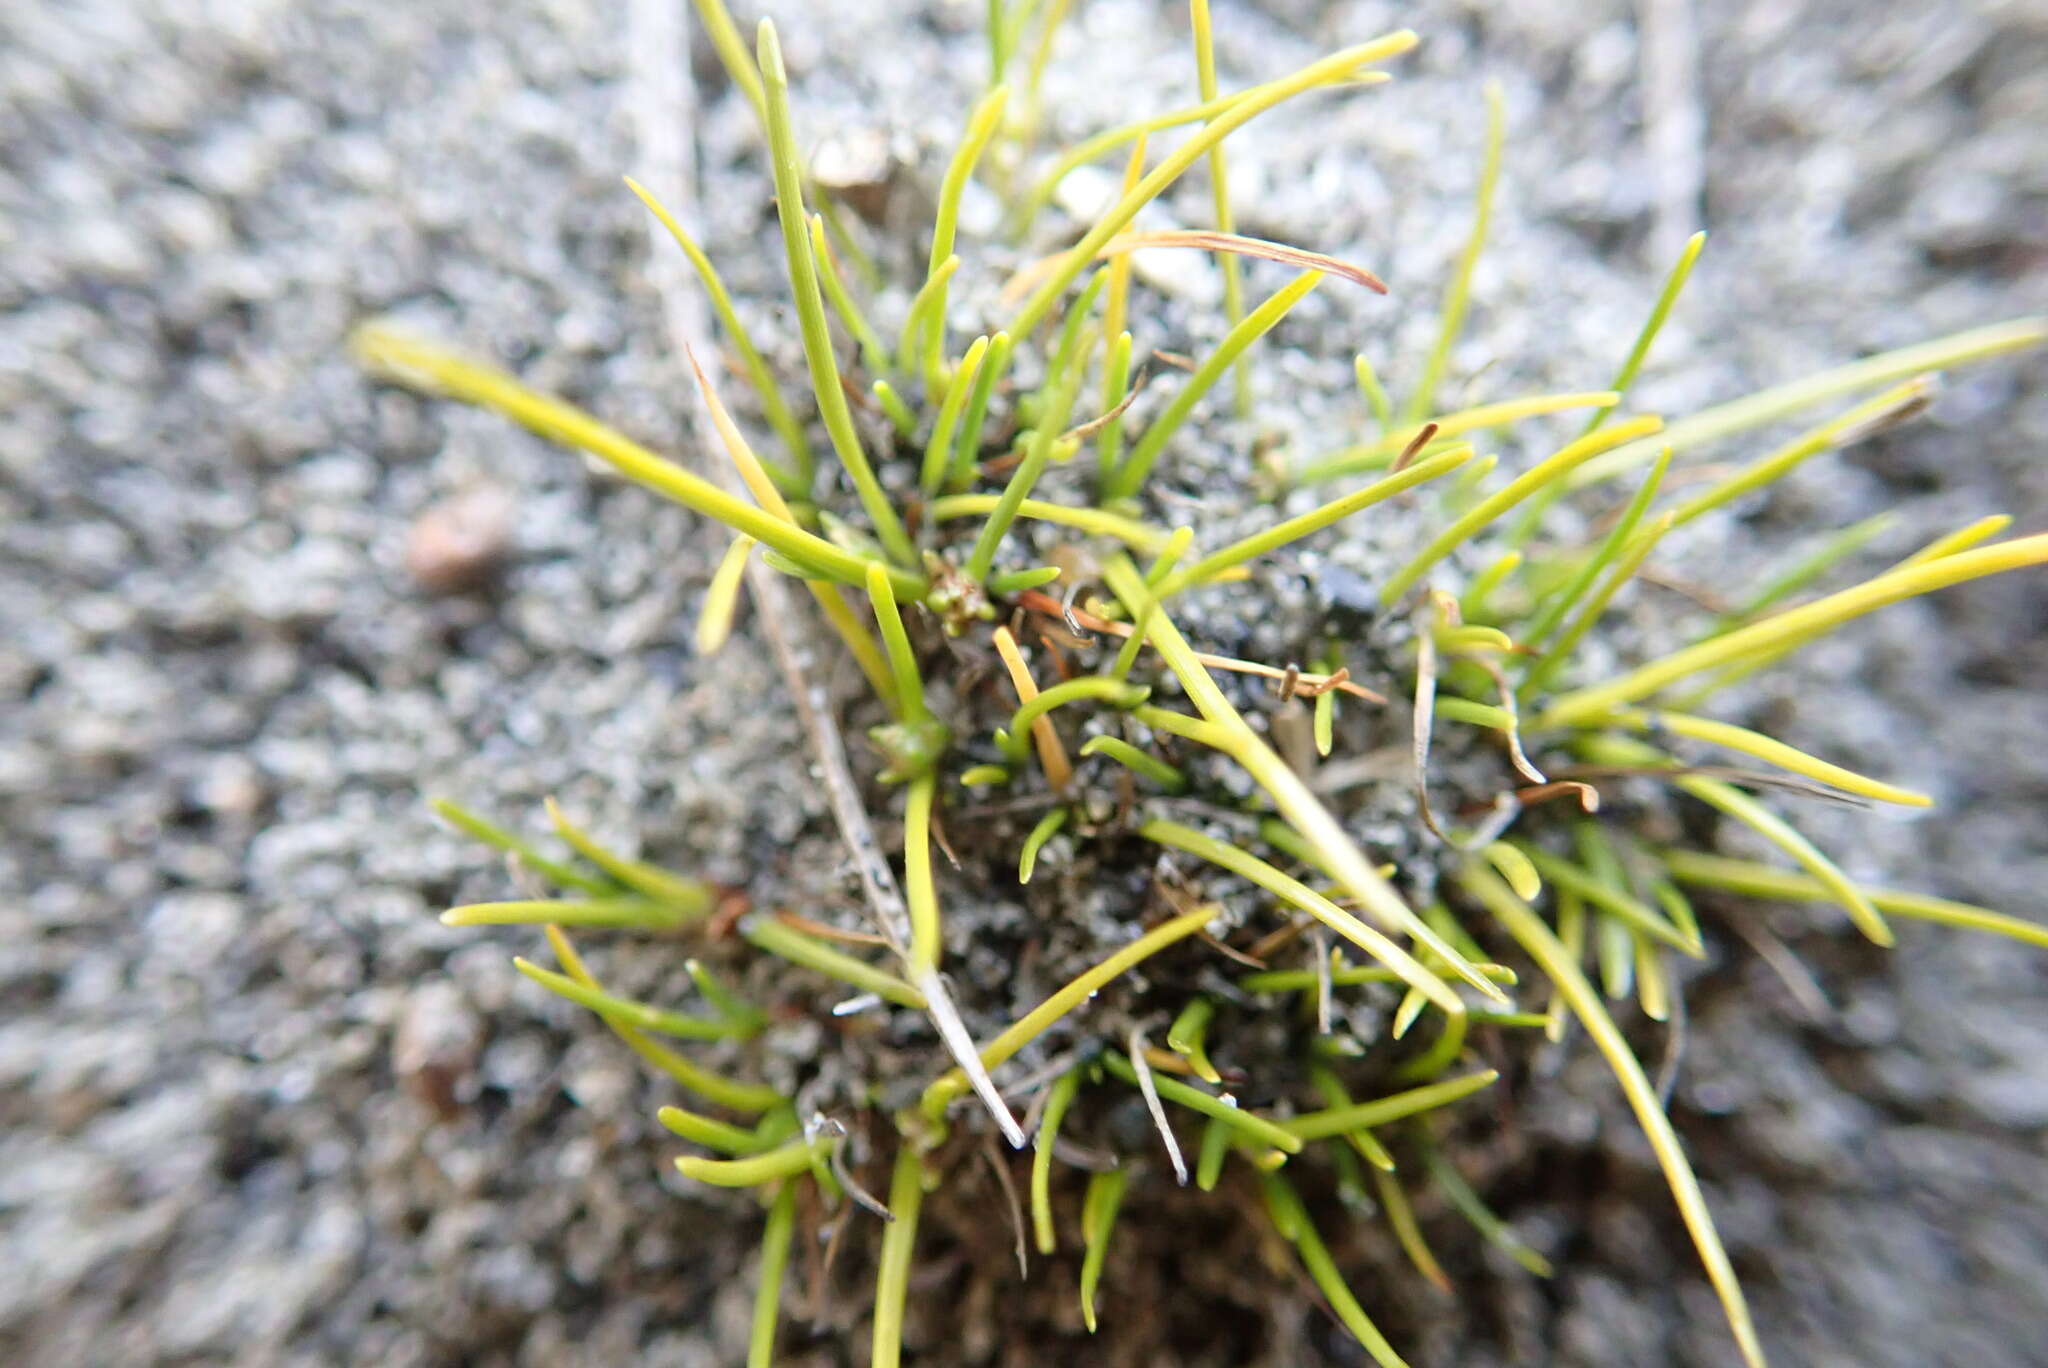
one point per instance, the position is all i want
(225, 1008)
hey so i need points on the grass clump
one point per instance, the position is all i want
(1202, 830)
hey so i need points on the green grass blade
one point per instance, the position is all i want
(1102, 144)
(1169, 556)
(1552, 613)
(1277, 1135)
(1068, 350)
(639, 1015)
(1571, 934)
(1543, 474)
(994, 366)
(1130, 476)
(782, 1162)
(633, 914)
(1468, 1204)
(723, 1000)
(1056, 1103)
(1048, 827)
(722, 597)
(1458, 293)
(1141, 762)
(1632, 557)
(1050, 424)
(1784, 460)
(924, 319)
(793, 482)
(430, 368)
(998, 30)
(919, 892)
(1188, 1035)
(1653, 989)
(768, 934)
(1476, 603)
(1767, 824)
(1074, 993)
(938, 450)
(874, 354)
(1807, 621)
(1806, 570)
(1008, 582)
(1769, 750)
(810, 305)
(1443, 1053)
(1344, 976)
(1116, 302)
(775, 1243)
(981, 126)
(1214, 1149)
(1315, 520)
(844, 243)
(751, 1098)
(1219, 190)
(1511, 864)
(1543, 946)
(1098, 1219)
(896, 647)
(1224, 727)
(748, 1098)
(722, 1136)
(1407, 1231)
(1667, 298)
(1015, 738)
(1292, 1220)
(1614, 950)
(1177, 545)
(525, 852)
(1962, 539)
(1240, 112)
(1701, 870)
(1768, 406)
(1333, 1093)
(1379, 454)
(1616, 901)
(732, 52)
(1297, 894)
(1116, 384)
(1374, 393)
(1129, 531)
(1335, 1121)
(690, 897)
(899, 1241)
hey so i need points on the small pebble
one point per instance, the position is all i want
(459, 544)
(435, 1047)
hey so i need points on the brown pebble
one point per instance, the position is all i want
(435, 1047)
(858, 166)
(460, 542)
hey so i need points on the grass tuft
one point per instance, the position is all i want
(1502, 639)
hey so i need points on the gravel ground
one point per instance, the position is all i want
(260, 1108)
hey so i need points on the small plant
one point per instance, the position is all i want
(1261, 923)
